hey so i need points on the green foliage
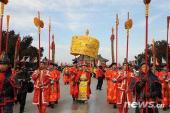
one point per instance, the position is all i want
(26, 49)
(160, 52)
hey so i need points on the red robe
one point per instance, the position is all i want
(124, 90)
(165, 88)
(5, 99)
(99, 73)
(111, 86)
(169, 87)
(55, 87)
(73, 82)
(66, 76)
(41, 78)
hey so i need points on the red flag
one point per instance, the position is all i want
(17, 47)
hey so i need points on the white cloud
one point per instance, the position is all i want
(27, 4)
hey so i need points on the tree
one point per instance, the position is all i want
(160, 52)
(26, 49)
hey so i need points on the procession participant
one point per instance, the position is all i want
(147, 89)
(73, 82)
(23, 76)
(84, 78)
(7, 85)
(163, 77)
(94, 72)
(54, 91)
(100, 76)
(58, 73)
(41, 78)
(168, 80)
(66, 75)
(112, 87)
(125, 87)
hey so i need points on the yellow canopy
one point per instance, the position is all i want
(84, 45)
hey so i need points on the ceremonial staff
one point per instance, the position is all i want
(154, 56)
(167, 48)
(112, 38)
(17, 47)
(39, 24)
(49, 37)
(7, 33)
(117, 24)
(146, 2)
(2, 3)
(53, 49)
(128, 26)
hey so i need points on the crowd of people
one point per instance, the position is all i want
(125, 84)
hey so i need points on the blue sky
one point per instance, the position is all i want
(73, 17)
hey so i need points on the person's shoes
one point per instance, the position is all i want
(49, 105)
(22, 111)
(16, 102)
(56, 102)
(165, 109)
(74, 99)
(114, 106)
(52, 106)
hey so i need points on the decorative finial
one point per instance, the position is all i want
(53, 37)
(146, 1)
(87, 32)
(4, 1)
(2, 8)
(49, 23)
(112, 30)
(117, 19)
(8, 18)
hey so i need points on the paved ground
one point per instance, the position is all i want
(96, 104)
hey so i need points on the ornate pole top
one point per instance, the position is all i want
(49, 23)
(168, 21)
(112, 30)
(146, 1)
(4, 1)
(128, 23)
(8, 18)
(2, 8)
(38, 22)
(87, 32)
(53, 37)
(117, 19)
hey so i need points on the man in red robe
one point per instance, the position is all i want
(163, 77)
(112, 74)
(73, 82)
(41, 78)
(54, 93)
(7, 85)
(100, 75)
(66, 76)
(125, 88)
(84, 76)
